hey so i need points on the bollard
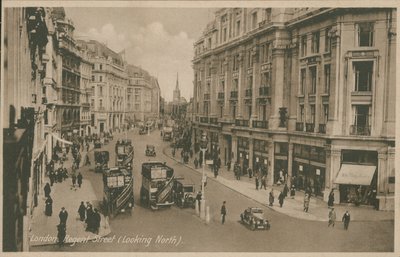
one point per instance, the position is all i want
(208, 214)
(197, 207)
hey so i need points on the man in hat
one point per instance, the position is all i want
(63, 215)
(223, 212)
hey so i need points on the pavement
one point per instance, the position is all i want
(43, 229)
(318, 209)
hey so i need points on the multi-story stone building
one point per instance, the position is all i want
(86, 94)
(144, 91)
(24, 117)
(310, 91)
(69, 61)
(109, 84)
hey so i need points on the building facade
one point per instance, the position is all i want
(145, 95)
(304, 90)
(108, 86)
(24, 119)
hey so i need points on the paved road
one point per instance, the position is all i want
(180, 230)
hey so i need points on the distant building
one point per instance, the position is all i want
(178, 104)
(307, 90)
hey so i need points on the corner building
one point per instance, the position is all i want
(307, 90)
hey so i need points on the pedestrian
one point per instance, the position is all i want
(51, 177)
(96, 221)
(47, 190)
(257, 182)
(61, 232)
(79, 179)
(271, 197)
(89, 217)
(306, 202)
(228, 166)
(215, 170)
(250, 172)
(82, 211)
(346, 220)
(285, 190)
(331, 198)
(87, 160)
(264, 182)
(73, 177)
(223, 212)
(332, 217)
(281, 197)
(48, 211)
(198, 198)
(292, 191)
(196, 163)
(63, 215)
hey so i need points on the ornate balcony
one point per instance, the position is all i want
(203, 119)
(299, 126)
(242, 123)
(360, 130)
(310, 127)
(214, 121)
(264, 91)
(322, 128)
(234, 94)
(249, 92)
(263, 124)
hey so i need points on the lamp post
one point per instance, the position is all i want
(203, 148)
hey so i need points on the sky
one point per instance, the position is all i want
(160, 40)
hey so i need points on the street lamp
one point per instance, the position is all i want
(203, 148)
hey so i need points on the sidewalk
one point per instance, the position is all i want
(318, 209)
(44, 228)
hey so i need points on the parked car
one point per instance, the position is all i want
(97, 143)
(184, 193)
(150, 150)
(254, 217)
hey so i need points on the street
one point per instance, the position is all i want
(180, 230)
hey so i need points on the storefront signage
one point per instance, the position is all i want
(240, 154)
(318, 172)
(300, 167)
(257, 159)
(247, 156)
(265, 161)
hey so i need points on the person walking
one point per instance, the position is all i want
(79, 177)
(257, 181)
(196, 163)
(331, 198)
(52, 177)
(306, 202)
(285, 190)
(89, 217)
(48, 211)
(61, 233)
(332, 217)
(293, 191)
(250, 172)
(264, 182)
(223, 212)
(47, 190)
(271, 197)
(73, 177)
(96, 221)
(228, 165)
(82, 211)
(281, 198)
(63, 215)
(346, 220)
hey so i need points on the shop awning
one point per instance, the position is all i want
(62, 140)
(351, 174)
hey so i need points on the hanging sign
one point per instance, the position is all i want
(300, 167)
(257, 159)
(318, 172)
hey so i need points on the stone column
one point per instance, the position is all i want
(255, 85)
(251, 152)
(271, 163)
(290, 161)
(213, 90)
(227, 89)
(241, 82)
(382, 172)
(234, 150)
(335, 164)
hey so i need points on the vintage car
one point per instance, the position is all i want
(142, 131)
(254, 217)
(150, 150)
(184, 193)
(97, 143)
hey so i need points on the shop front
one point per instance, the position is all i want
(357, 177)
(281, 151)
(260, 156)
(214, 142)
(243, 153)
(309, 170)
